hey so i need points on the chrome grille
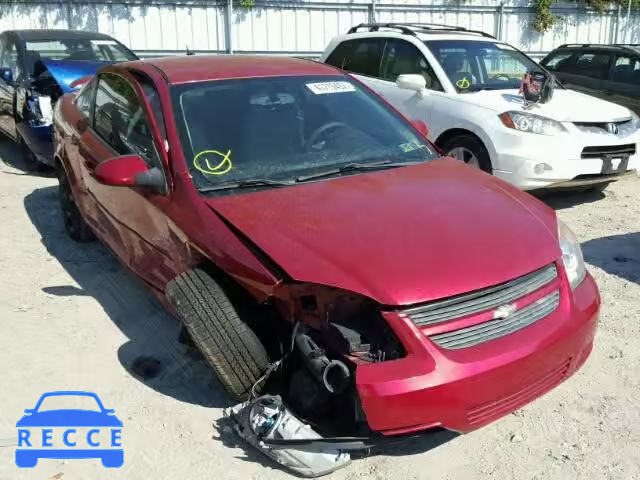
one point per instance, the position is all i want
(622, 127)
(481, 300)
(483, 332)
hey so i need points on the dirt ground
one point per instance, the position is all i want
(72, 318)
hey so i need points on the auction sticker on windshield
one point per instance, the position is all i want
(330, 87)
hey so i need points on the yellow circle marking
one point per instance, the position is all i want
(202, 163)
(463, 83)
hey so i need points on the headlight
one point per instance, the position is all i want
(571, 255)
(528, 122)
(635, 119)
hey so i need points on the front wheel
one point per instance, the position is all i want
(470, 150)
(226, 341)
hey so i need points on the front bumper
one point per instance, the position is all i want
(531, 161)
(464, 389)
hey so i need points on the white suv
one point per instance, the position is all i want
(465, 85)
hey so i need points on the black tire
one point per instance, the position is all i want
(29, 159)
(74, 224)
(227, 343)
(474, 145)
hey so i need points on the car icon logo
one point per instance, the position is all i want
(69, 433)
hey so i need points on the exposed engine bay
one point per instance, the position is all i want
(334, 331)
(41, 92)
(305, 412)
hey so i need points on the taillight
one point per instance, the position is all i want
(80, 82)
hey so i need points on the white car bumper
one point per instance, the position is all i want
(532, 161)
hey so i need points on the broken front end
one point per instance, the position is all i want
(357, 367)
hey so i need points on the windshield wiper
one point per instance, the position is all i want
(254, 182)
(354, 167)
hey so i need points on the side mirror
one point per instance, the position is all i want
(421, 127)
(411, 81)
(7, 75)
(28, 410)
(129, 171)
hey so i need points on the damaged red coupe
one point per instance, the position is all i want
(314, 244)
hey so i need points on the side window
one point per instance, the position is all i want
(358, 56)
(85, 99)
(558, 61)
(401, 57)
(626, 70)
(120, 120)
(592, 65)
(9, 56)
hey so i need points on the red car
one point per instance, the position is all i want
(287, 214)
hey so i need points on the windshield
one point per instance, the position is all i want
(93, 50)
(286, 128)
(478, 65)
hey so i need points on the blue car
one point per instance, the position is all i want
(32, 446)
(36, 68)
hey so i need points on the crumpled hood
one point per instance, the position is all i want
(66, 72)
(564, 106)
(399, 236)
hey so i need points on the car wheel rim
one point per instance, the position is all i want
(465, 155)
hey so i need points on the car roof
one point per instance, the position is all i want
(195, 68)
(34, 35)
(618, 47)
(423, 31)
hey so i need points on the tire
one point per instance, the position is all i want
(227, 343)
(474, 146)
(30, 160)
(599, 188)
(74, 224)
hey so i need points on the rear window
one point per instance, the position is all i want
(361, 56)
(96, 50)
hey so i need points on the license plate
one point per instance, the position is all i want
(614, 165)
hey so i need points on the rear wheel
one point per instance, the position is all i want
(74, 224)
(226, 341)
(470, 150)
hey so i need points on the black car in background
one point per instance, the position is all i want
(611, 72)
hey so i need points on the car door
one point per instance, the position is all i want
(401, 57)
(133, 221)
(588, 72)
(8, 59)
(623, 86)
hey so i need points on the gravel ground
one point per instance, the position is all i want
(72, 318)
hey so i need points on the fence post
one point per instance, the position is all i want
(498, 28)
(616, 33)
(228, 26)
(372, 11)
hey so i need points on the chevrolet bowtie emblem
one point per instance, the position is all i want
(504, 311)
